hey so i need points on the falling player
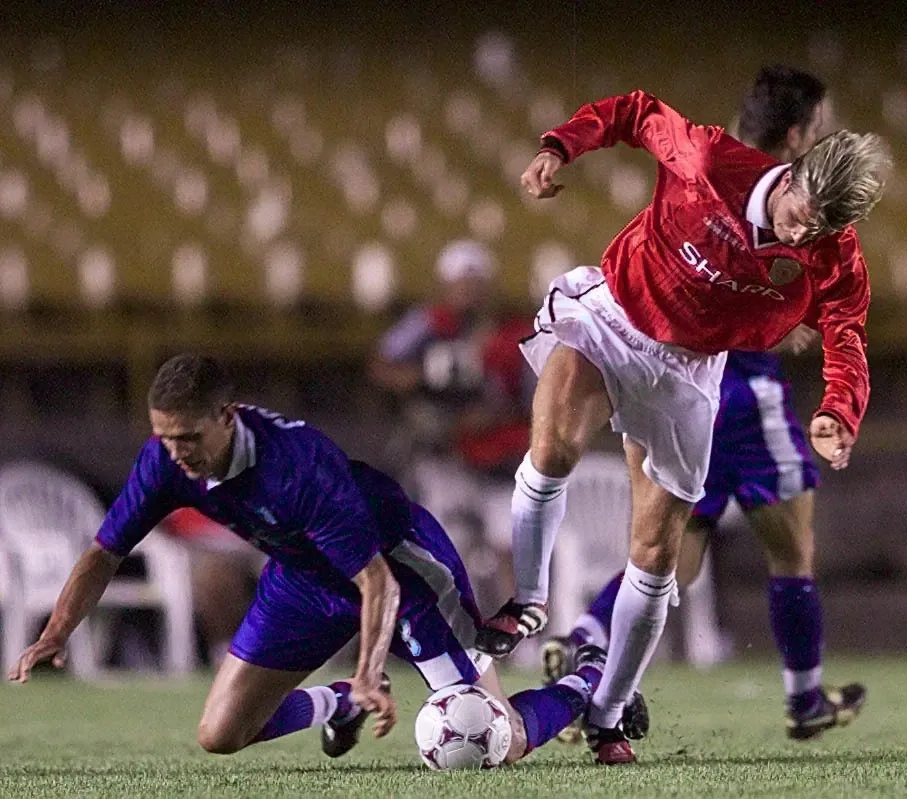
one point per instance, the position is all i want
(733, 252)
(348, 553)
(760, 457)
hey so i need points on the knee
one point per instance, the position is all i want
(219, 739)
(656, 550)
(658, 557)
(792, 557)
(554, 454)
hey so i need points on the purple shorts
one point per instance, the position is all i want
(760, 455)
(297, 621)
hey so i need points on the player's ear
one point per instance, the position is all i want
(228, 414)
(784, 183)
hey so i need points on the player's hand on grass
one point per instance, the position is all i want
(45, 648)
(370, 696)
(831, 440)
(538, 179)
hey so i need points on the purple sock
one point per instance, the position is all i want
(796, 617)
(302, 708)
(546, 711)
(600, 611)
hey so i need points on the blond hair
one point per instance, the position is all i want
(843, 175)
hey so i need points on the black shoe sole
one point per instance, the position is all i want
(496, 643)
(839, 715)
(345, 738)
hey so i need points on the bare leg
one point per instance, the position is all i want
(692, 551)
(659, 519)
(786, 532)
(795, 611)
(570, 406)
(241, 700)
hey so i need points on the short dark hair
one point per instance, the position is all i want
(780, 98)
(191, 383)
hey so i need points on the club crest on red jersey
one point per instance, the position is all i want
(784, 271)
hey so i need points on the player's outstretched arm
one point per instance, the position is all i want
(84, 588)
(380, 601)
(831, 440)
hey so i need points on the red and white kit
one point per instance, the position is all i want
(698, 272)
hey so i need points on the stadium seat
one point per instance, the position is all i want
(261, 189)
(47, 518)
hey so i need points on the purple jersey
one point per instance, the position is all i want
(299, 498)
(321, 517)
(759, 451)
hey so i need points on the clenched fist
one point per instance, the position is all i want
(831, 440)
(538, 179)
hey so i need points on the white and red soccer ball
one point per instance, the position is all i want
(462, 726)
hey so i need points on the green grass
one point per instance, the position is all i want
(717, 734)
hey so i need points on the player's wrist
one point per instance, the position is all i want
(366, 682)
(56, 637)
(553, 145)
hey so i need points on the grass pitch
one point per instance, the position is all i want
(714, 734)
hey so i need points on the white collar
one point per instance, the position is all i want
(243, 452)
(756, 210)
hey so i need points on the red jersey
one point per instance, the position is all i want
(699, 267)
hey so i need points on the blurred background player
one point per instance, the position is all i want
(348, 553)
(464, 396)
(732, 253)
(761, 458)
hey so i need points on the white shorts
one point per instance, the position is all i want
(664, 397)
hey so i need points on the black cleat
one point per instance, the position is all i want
(501, 633)
(560, 657)
(635, 720)
(338, 738)
(839, 706)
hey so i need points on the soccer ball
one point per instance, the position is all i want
(462, 726)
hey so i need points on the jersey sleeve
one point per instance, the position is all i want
(144, 501)
(341, 526)
(639, 120)
(843, 302)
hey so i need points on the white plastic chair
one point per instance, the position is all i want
(47, 519)
(593, 545)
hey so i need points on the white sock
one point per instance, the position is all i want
(636, 626)
(537, 509)
(799, 682)
(324, 702)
